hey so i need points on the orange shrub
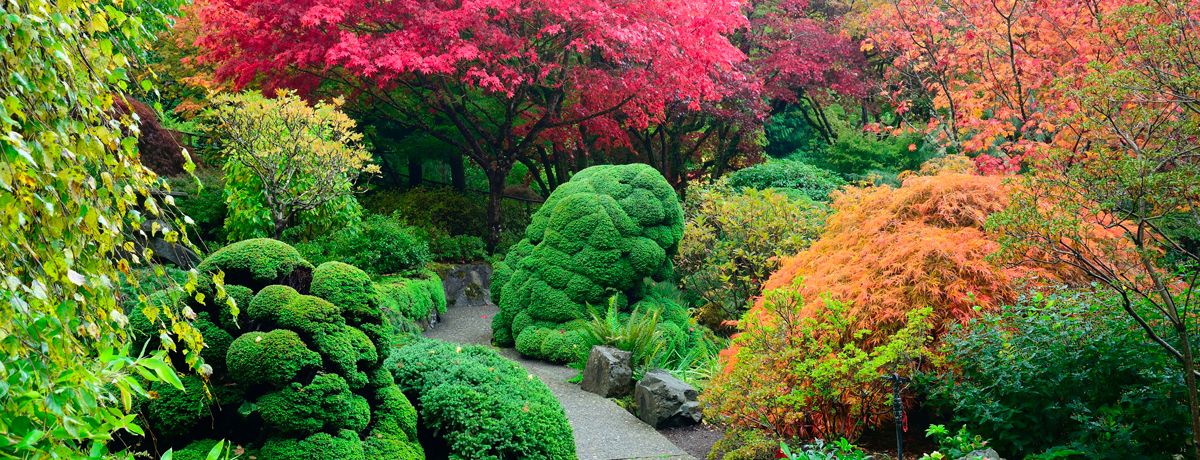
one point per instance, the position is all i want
(886, 253)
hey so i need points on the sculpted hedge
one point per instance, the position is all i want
(599, 235)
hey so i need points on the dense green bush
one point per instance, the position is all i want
(258, 262)
(380, 245)
(203, 200)
(297, 375)
(455, 222)
(482, 405)
(600, 234)
(1066, 371)
(789, 175)
(733, 242)
(409, 300)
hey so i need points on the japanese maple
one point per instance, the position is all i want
(502, 73)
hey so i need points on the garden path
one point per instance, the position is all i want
(603, 430)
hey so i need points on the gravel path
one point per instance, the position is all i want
(603, 430)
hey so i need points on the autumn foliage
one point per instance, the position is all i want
(886, 254)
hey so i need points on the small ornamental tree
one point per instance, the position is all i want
(285, 158)
(500, 77)
(885, 254)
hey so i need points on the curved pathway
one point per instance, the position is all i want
(603, 430)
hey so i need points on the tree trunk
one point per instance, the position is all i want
(415, 172)
(1189, 377)
(496, 181)
(458, 171)
(281, 223)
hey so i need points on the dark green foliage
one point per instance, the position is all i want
(175, 413)
(241, 296)
(380, 244)
(455, 223)
(204, 202)
(216, 342)
(325, 404)
(456, 248)
(310, 316)
(346, 350)
(394, 415)
(197, 450)
(1068, 371)
(483, 405)
(269, 358)
(256, 263)
(602, 233)
(320, 446)
(857, 153)
(350, 289)
(790, 175)
(266, 305)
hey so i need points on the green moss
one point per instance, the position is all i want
(325, 404)
(394, 414)
(310, 316)
(174, 413)
(385, 447)
(346, 350)
(259, 262)
(350, 289)
(320, 446)
(269, 358)
(264, 308)
(600, 234)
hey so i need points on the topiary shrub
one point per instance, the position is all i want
(810, 181)
(301, 376)
(602, 233)
(269, 358)
(482, 405)
(259, 262)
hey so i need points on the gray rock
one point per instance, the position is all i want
(164, 251)
(608, 372)
(664, 401)
(982, 454)
(467, 285)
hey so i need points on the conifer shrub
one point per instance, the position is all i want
(408, 300)
(600, 234)
(482, 405)
(807, 180)
(259, 262)
(302, 376)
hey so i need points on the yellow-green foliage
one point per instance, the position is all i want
(259, 262)
(71, 187)
(602, 233)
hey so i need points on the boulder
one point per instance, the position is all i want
(982, 454)
(608, 372)
(665, 401)
(467, 285)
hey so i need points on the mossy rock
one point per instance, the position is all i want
(321, 446)
(272, 358)
(260, 262)
(325, 404)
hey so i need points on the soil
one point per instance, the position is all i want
(696, 440)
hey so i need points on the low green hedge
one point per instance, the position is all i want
(408, 300)
(482, 405)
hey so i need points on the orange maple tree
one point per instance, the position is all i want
(887, 254)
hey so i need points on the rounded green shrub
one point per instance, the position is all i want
(216, 342)
(320, 446)
(529, 342)
(598, 235)
(269, 358)
(241, 296)
(346, 350)
(266, 305)
(350, 289)
(175, 413)
(811, 181)
(482, 405)
(197, 450)
(260, 262)
(394, 414)
(388, 447)
(310, 316)
(324, 404)
(381, 245)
